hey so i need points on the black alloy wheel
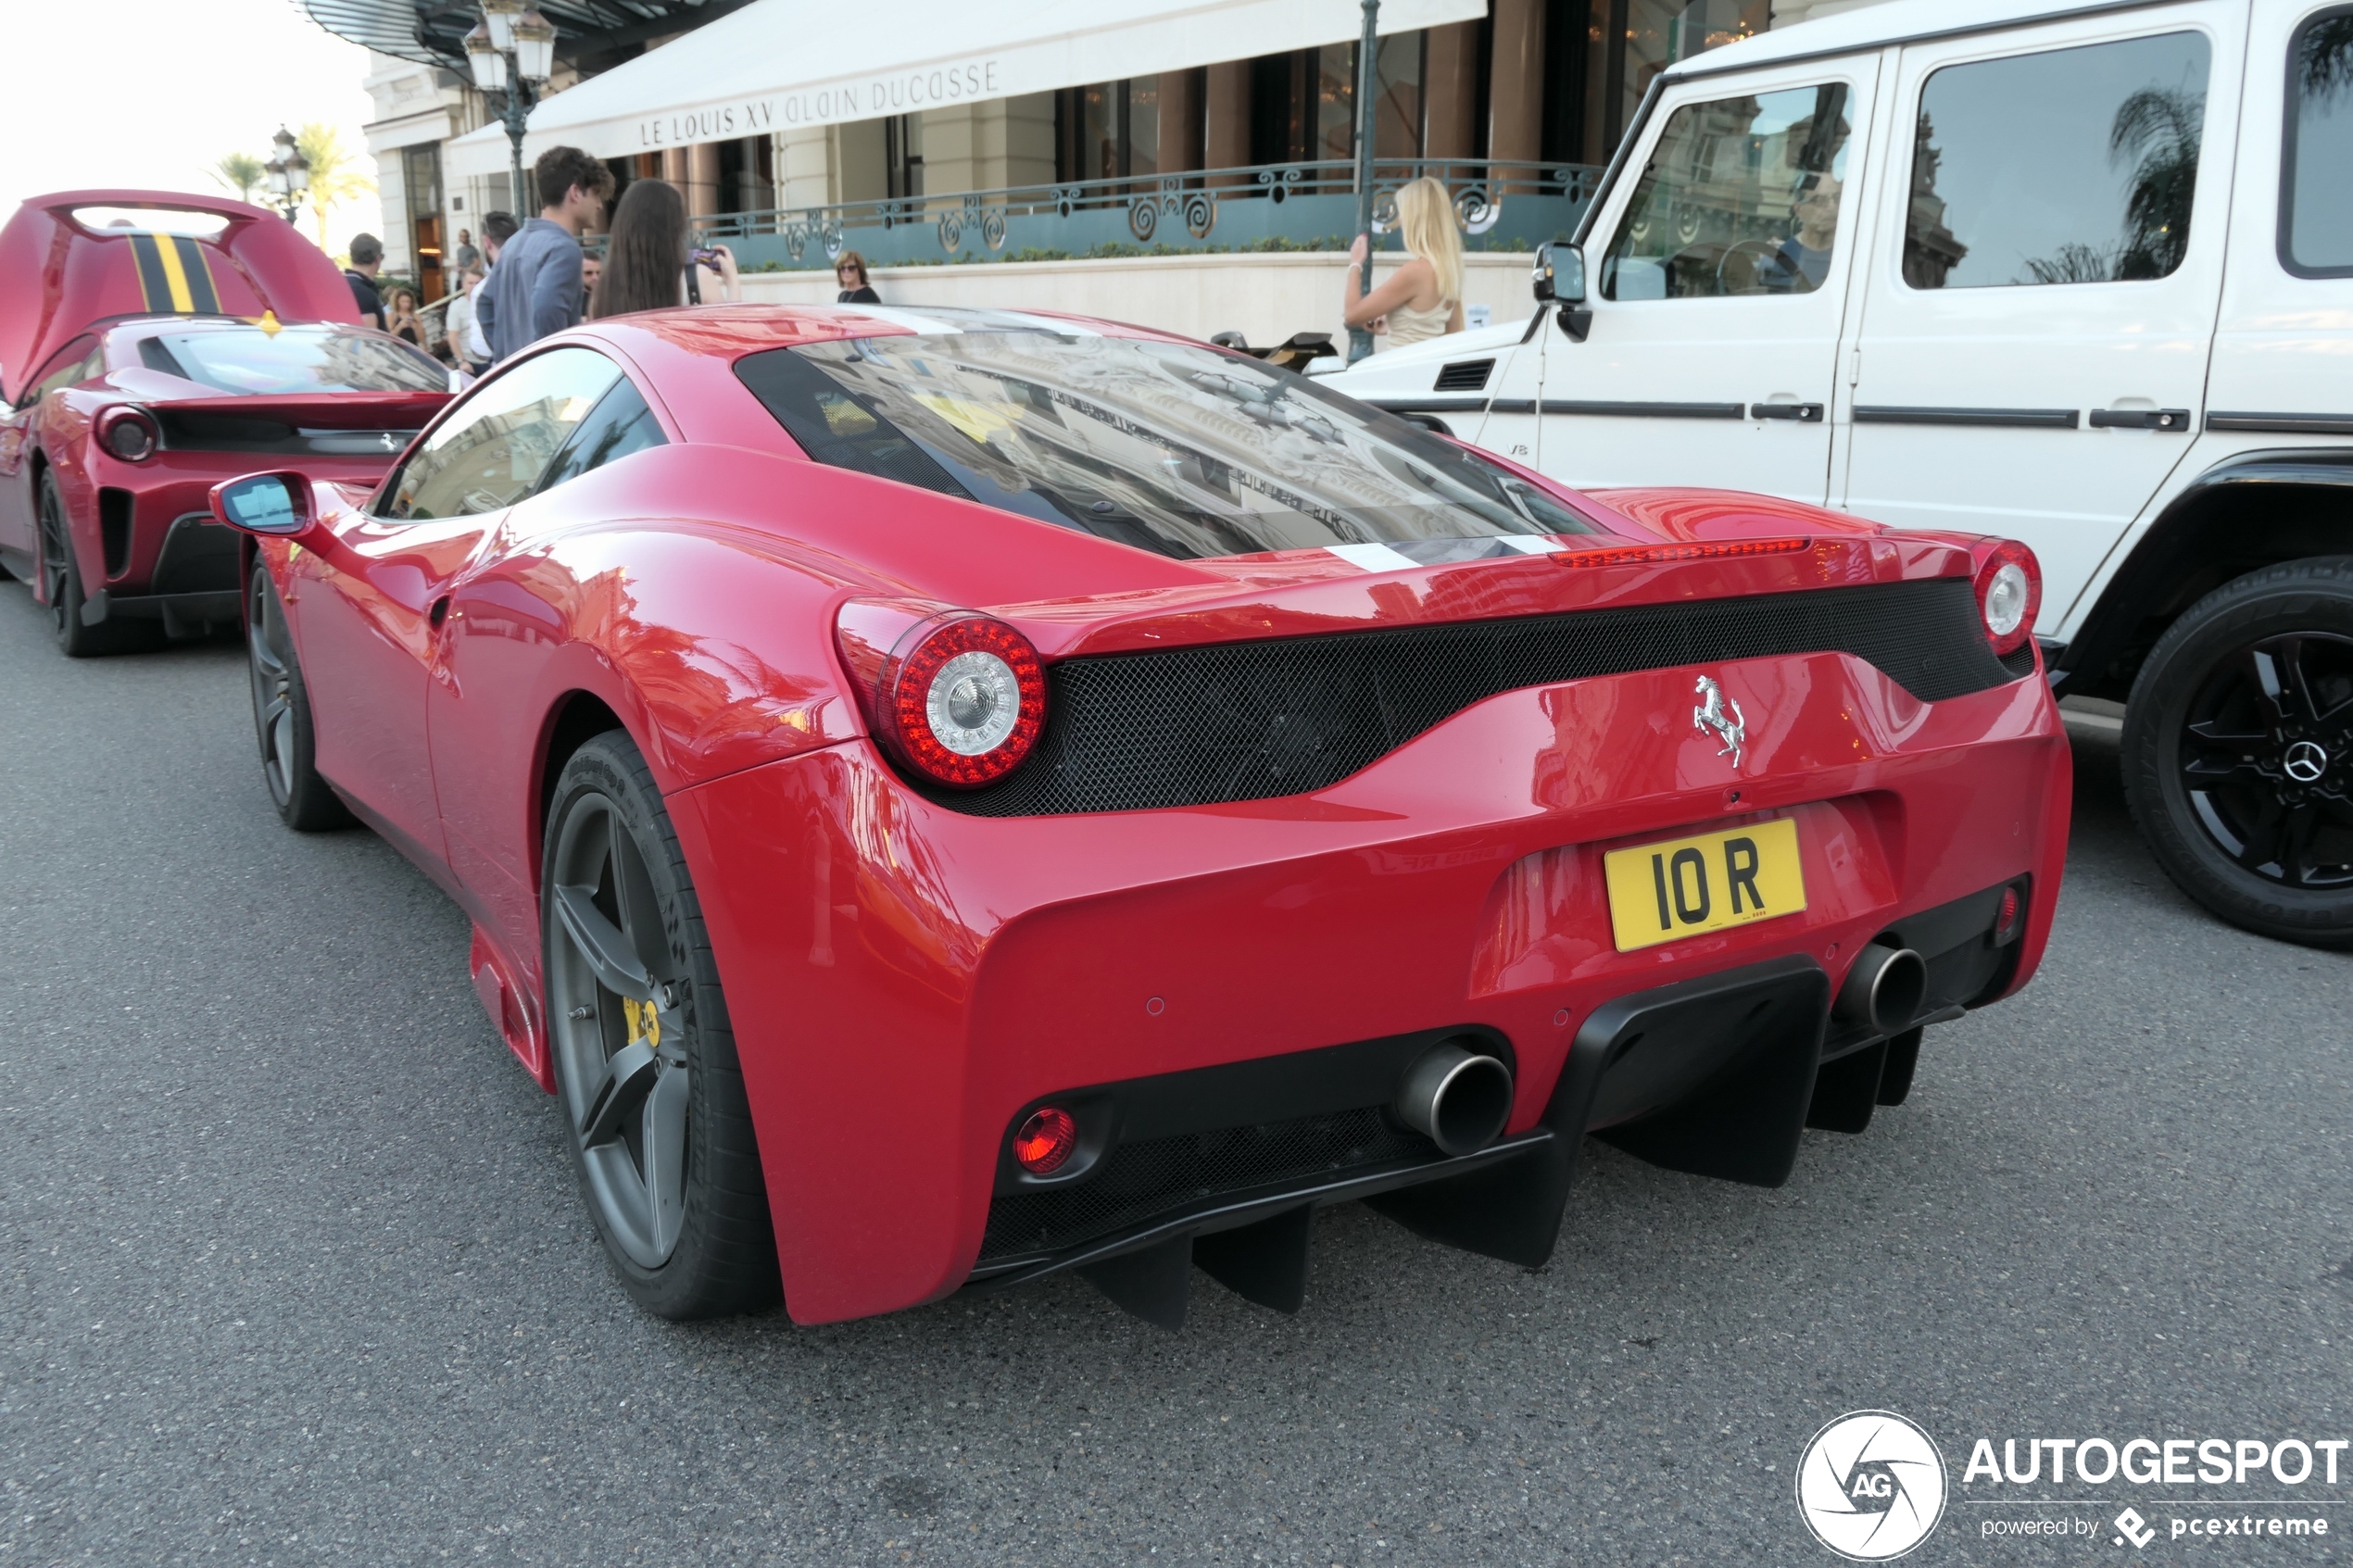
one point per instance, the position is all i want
(282, 715)
(2238, 751)
(60, 578)
(645, 1068)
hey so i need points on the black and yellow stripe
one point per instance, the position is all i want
(174, 275)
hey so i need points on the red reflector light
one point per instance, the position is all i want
(1044, 1140)
(2006, 919)
(959, 698)
(1644, 555)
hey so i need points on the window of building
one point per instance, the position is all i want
(903, 155)
(421, 178)
(1739, 196)
(2316, 220)
(1108, 129)
(2072, 165)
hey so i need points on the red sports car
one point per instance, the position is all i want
(949, 796)
(153, 344)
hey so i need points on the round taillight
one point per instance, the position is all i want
(963, 700)
(1045, 1141)
(2009, 592)
(129, 434)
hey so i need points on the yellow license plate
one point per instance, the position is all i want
(1686, 887)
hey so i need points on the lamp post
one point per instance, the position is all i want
(1360, 339)
(288, 173)
(512, 50)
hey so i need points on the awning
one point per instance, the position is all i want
(780, 65)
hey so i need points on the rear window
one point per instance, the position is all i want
(266, 360)
(2316, 220)
(1181, 450)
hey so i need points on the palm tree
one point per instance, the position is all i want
(334, 173)
(239, 172)
(2159, 128)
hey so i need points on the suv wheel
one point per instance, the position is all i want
(2238, 751)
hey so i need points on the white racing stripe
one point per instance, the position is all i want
(1373, 557)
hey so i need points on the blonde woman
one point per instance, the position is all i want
(1423, 298)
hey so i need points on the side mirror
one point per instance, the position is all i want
(1559, 274)
(272, 505)
(1568, 274)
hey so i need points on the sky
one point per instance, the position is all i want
(140, 92)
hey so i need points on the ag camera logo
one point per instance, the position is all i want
(1870, 1486)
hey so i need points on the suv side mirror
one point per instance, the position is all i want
(1559, 278)
(270, 505)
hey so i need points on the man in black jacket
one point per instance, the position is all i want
(367, 260)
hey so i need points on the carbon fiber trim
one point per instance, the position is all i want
(1253, 720)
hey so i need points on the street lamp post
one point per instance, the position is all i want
(288, 173)
(512, 50)
(1360, 339)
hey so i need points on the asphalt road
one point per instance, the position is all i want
(295, 1272)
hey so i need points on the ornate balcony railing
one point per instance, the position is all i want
(1503, 206)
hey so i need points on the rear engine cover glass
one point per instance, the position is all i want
(1181, 450)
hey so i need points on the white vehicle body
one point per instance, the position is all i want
(2070, 416)
(2078, 275)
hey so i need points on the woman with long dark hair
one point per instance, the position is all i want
(647, 263)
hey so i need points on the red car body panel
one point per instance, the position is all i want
(903, 977)
(63, 273)
(69, 289)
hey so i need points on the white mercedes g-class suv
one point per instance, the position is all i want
(2080, 275)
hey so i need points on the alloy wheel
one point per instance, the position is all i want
(2265, 758)
(53, 546)
(271, 661)
(619, 1019)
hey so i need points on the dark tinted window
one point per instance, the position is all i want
(2076, 166)
(2316, 219)
(617, 425)
(1182, 450)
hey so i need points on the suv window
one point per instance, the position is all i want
(2316, 221)
(2073, 166)
(497, 442)
(1740, 196)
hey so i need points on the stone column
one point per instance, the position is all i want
(703, 180)
(1516, 81)
(1452, 65)
(1226, 115)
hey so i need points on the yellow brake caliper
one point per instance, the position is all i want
(643, 1022)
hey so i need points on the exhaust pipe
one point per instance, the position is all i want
(1458, 1100)
(1884, 989)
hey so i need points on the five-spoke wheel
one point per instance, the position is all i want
(645, 1061)
(282, 713)
(2238, 749)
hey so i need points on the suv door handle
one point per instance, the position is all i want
(2141, 419)
(1804, 413)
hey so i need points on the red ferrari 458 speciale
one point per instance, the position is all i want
(947, 796)
(153, 344)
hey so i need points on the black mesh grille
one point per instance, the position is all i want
(1140, 1181)
(1251, 720)
(2020, 661)
(1464, 375)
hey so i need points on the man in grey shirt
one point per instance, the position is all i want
(534, 288)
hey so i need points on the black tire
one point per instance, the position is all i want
(2238, 751)
(306, 802)
(647, 1078)
(60, 577)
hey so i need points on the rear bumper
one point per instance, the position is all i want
(924, 976)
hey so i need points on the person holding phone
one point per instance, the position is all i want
(648, 263)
